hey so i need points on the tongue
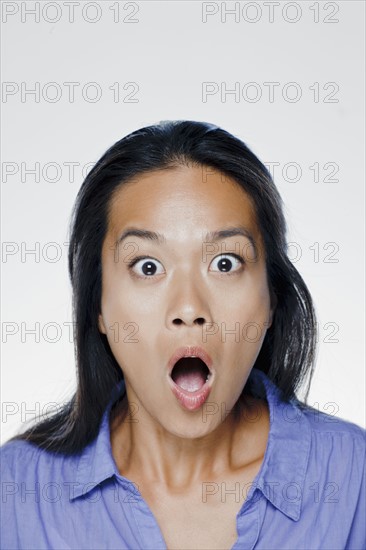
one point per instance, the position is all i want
(190, 380)
(190, 374)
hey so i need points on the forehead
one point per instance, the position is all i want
(182, 202)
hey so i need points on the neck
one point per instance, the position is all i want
(180, 463)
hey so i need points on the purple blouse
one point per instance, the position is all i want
(310, 492)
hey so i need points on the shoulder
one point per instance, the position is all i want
(337, 448)
(333, 434)
(36, 487)
(336, 472)
(22, 460)
(322, 423)
(13, 452)
(333, 448)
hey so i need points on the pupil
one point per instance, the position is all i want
(148, 267)
(225, 264)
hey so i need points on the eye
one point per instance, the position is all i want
(147, 265)
(225, 263)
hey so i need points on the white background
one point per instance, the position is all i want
(169, 52)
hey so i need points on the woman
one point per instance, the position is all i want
(193, 333)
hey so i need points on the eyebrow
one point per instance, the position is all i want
(211, 236)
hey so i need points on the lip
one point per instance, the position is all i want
(191, 400)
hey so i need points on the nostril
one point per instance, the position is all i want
(200, 321)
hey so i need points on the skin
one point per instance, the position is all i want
(174, 447)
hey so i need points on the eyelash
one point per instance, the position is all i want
(134, 261)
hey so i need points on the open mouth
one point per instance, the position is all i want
(190, 373)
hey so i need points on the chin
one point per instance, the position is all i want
(193, 429)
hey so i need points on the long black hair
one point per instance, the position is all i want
(288, 351)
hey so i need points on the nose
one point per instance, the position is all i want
(188, 303)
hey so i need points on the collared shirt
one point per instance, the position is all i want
(308, 494)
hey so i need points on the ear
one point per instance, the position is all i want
(272, 310)
(270, 320)
(101, 325)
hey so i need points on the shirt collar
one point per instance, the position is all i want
(281, 477)
(96, 462)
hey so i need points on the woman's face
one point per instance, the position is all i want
(188, 290)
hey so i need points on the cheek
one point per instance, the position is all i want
(116, 308)
(121, 327)
(128, 322)
(245, 319)
(249, 301)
